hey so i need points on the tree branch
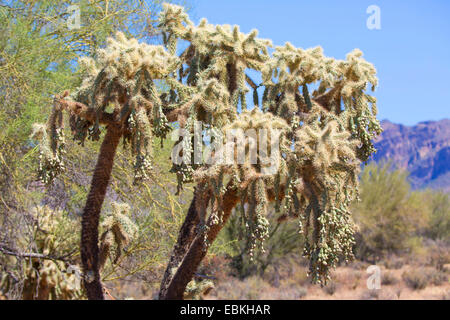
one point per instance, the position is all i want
(85, 112)
(251, 82)
(11, 252)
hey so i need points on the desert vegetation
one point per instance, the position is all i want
(94, 205)
(415, 266)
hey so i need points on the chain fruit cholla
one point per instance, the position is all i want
(324, 135)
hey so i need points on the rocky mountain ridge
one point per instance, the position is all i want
(423, 149)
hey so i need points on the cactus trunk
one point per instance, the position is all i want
(197, 251)
(186, 237)
(91, 213)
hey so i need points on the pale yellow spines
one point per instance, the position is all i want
(119, 229)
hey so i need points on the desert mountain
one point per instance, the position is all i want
(423, 149)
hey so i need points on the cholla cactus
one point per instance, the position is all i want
(291, 70)
(52, 146)
(118, 230)
(328, 149)
(249, 174)
(122, 76)
(196, 290)
(50, 279)
(126, 66)
(324, 135)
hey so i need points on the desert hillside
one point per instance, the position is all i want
(423, 149)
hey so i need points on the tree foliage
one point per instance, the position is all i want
(393, 218)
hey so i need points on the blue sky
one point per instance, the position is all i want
(411, 51)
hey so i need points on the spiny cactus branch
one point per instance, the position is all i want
(87, 113)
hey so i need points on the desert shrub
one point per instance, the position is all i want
(440, 256)
(330, 288)
(291, 293)
(439, 225)
(301, 292)
(388, 214)
(437, 277)
(370, 295)
(359, 265)
(432, 253)
(356, 280)
(293, 276)
(416, 279)
(387, 278)
(255, 287)
(393, 263)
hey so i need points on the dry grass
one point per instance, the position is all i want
(388, 278)
(349, 283)
(401, 278)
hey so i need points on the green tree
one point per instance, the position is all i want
(439, 225)
(389, 213)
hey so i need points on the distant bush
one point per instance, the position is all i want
(371, 295)
(393, 263)
(416, 279)
(302, 292)
(330, 288)
(439, 225)
(387, 279)
(389, 214)
(437, 254)
(438, 278)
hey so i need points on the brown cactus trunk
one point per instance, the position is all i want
(185, 238)
(91, 213)
(197, 251)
